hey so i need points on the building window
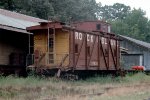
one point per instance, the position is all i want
(98, 26)
(76, 48)
(88, 50)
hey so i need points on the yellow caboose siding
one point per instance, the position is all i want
(40, 42)
(40, 45)
(61, 46)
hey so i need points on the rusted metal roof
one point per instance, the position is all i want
(138, 42)
(45, 25)
(22, 24)
(13, 29)
(20, 16)
(17, 22)
(102, 21)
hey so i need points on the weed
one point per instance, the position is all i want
(35, 87)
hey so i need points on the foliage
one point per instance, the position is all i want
(135, 25)
(124, 21)
(75, 10)
(114, 12)
(66, 10)
(7, 4)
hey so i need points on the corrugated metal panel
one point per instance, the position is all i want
(14, 29)
(16, 23)
(20, 16)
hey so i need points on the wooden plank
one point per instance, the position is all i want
(61, 46)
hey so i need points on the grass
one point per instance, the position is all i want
(131, 87)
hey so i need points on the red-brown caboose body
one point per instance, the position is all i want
(80, 47)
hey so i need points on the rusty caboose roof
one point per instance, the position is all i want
(17, 22)
(46, 25)
(60, 25)
(102, 21)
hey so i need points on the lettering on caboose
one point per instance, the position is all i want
(79, 36)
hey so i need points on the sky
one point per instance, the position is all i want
(143, 4)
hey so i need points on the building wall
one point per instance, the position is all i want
(137, 49)
(12, 42)
(129, 60)
(5, 51)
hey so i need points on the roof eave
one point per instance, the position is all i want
(134, 42)
(10, 28)
(45, 25)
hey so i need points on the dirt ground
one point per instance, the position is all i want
(128, 92)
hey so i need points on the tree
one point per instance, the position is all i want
(75, 10)
(66, 10)
(137, 21)
(42, 8)
(119, 27)
(113, 12)
(124, 21)
(7, 4)
(135, 25)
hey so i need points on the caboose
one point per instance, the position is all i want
(77, 48)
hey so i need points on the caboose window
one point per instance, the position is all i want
(88, 50)
(109, 29)
(76, 48)
(51, 42)
(98, 26)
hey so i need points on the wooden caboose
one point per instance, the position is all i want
(71, 48)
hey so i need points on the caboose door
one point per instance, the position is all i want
(51, 48)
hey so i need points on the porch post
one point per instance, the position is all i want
(54, 54)
(29, 44)
(48, 45)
